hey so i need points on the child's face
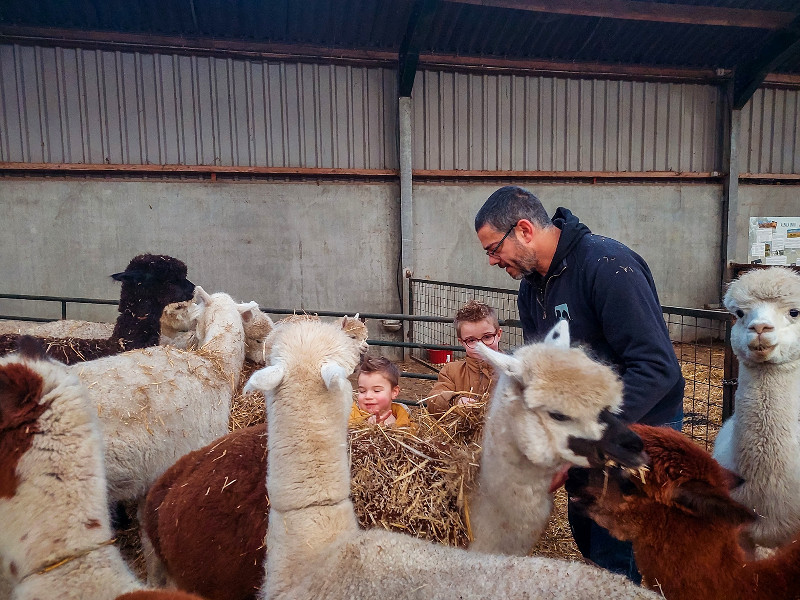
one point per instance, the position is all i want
(375, 393)
(476, 331)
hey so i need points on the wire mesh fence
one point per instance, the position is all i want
(701, 339)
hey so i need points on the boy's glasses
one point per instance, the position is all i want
(493, 250)
(472, 342)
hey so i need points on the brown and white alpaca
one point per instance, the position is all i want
(315, 548)
(684, 525)
(207, 499)
(761, 441)
(56, 541)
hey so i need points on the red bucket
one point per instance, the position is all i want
(439, 357)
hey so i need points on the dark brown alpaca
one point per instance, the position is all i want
(684, 525)
(149, 283)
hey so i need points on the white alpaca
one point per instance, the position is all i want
(549, 401)
(157, 404)
(55, 540)
(761, 441)
(315, 548)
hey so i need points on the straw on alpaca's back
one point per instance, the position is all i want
(761, 441)
(56, 539)
(149, 283)
(314, 546)
(684, 525)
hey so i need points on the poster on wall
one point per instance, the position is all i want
(774, 240)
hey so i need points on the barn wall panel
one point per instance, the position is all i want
(60, 105)
(470, 121)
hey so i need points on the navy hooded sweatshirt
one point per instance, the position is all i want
(607, 293)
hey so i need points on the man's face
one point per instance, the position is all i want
(517, 260)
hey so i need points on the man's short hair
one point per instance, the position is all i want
(505, 207)
(379, 364)
(474, 311)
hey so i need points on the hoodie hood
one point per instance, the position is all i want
(572, 230)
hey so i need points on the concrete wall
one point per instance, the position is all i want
(676, 229)
(298, 245)
(334, 246)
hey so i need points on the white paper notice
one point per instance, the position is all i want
(792, 243)
(775, 260)
(778, 243)
(757, 251)
(764, 234)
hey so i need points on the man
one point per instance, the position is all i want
(607, 293)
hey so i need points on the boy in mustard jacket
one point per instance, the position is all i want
(378, 386)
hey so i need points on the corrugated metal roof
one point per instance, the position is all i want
(461, 29)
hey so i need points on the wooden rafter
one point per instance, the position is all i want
(748, 77)
(648, 11)
(418, 24)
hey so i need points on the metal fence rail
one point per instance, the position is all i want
(701, 339)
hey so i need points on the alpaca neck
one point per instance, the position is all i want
(308, 476)
(684, 558)
(95, 571)
(60, 507)
(138, 323)
(224, 339)
(308, 461)
(768, 395)
(511, 504)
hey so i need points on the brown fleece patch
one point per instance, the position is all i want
(20, 390)
(13, 568)
(92, 524)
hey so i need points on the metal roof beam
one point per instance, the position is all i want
(419, 23)
(649, 11)
(748, 77)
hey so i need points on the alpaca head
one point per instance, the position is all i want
(206, 309)
(683, 482)
(766, 303)
(564, 403)
(256, 331)
(175, 318)
(50, 448)
(151, 280)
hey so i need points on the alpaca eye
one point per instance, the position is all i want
(739, 313)
(794, 313)
(557, 416)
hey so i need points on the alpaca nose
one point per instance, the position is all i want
(762, 327)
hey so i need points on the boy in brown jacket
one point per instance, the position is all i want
(466, 381)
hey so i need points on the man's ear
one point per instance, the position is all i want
(525, 230)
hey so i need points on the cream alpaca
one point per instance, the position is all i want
(315, 548)
(56, 538)
(761, 441)
(158, 403)
(550, 400)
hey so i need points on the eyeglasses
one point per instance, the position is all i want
(486, 339)
(493, 250)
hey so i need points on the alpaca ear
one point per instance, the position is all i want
(502, 362)
(132, 276)
(333, 374)
(702, 500)
(265, 379)
(201, 296)
(247, 310)
(558, 336)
